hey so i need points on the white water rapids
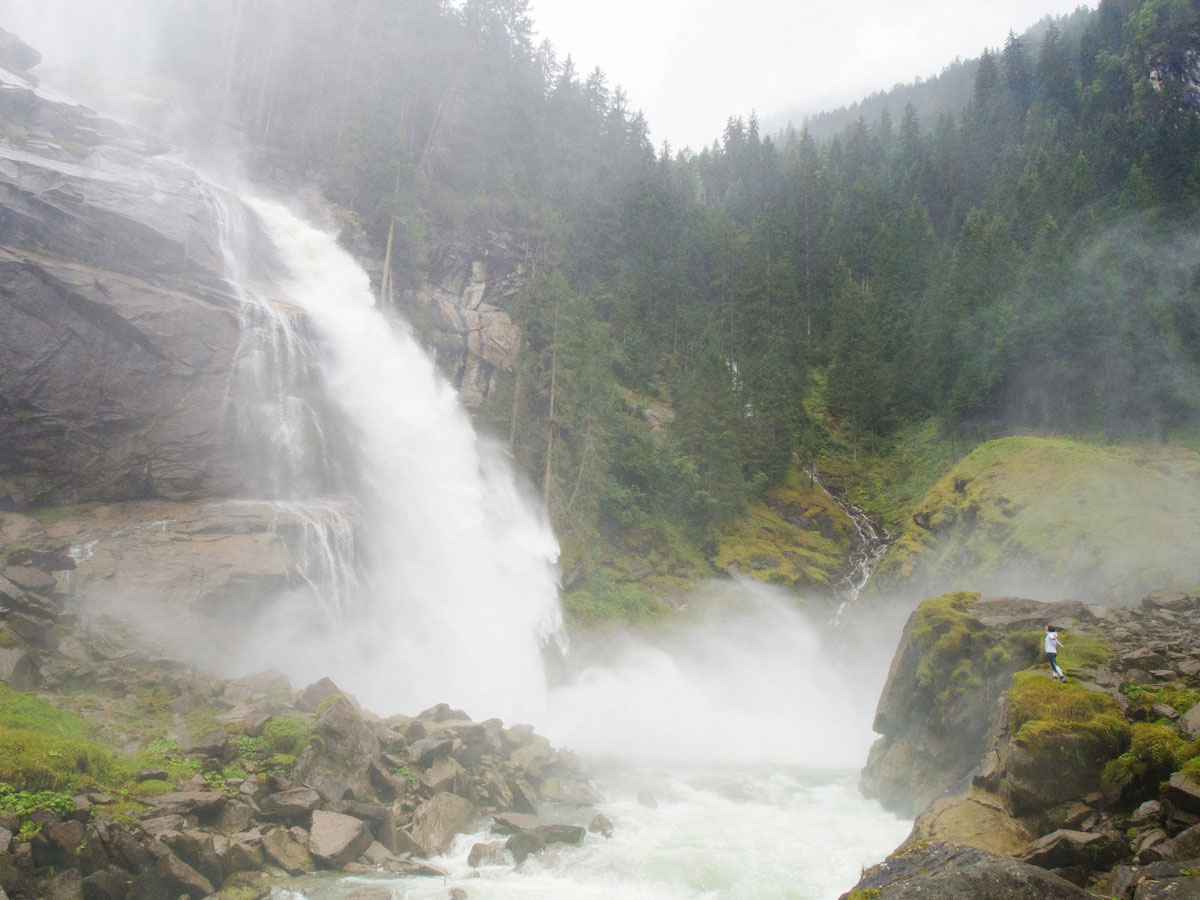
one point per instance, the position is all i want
(749, 738)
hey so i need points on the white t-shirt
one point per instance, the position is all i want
(1051, 641)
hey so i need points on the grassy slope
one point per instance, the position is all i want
(796, 536)
(1054, 518)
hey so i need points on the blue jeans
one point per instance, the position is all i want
(1053, 658)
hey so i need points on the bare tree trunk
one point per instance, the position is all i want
(583, 461)
(512, 425)
(550, 416)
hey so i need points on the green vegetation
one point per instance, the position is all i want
(1044, 714)
(1063, 514)
(1155, 751)
(956, 652)
(43, 748)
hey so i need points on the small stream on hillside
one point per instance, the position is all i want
(867, 551)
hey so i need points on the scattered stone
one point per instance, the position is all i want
(561, 834)
(1189, 722)
(153, 775)
(522, 844)
(1148, 812)
(490, 854)
(601, 825)
(512, 823)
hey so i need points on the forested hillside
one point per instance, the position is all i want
(1026, 261)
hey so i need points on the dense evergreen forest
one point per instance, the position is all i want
(1019, 256)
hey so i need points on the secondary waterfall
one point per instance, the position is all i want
(458, 587)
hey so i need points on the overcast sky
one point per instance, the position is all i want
(691, 64)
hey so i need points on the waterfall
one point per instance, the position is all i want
(458, 589)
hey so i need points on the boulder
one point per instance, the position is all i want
(561, 834)
(315, 694)
(283, 850)
(490, 854)
(336, 762)
(292, 805)
(214, 744)
(512, 823)
(522, 844)
(1166, 598)
(445, 775)
(15, 54)
(436, 822)
(1185, 845)
(941, 871)
(181, 878)
(601, 825)
(18, 669)
(336, 839)
(1189, 722)
(1181, 887)
(975, 819)
(1144, 659)
(30, 579)
(1183, 793)
(1064, 849)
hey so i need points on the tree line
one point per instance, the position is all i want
(1020, 260)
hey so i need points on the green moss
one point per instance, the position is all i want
(796, 535)
(1191, 768)
(1155, 751)
(864, 894)
(1065, 514)
(43, 747)
(1043, 711)
(287, 734)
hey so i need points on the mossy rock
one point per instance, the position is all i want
(797, 536)
(1052, 517)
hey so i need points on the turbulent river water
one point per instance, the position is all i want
(744, 731)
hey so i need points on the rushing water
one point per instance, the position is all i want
(747, 734)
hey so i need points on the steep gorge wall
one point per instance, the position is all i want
(117, 327)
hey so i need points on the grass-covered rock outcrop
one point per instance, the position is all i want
(1053, 517)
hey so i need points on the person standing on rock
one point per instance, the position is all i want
(1052, 645)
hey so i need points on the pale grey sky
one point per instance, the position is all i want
(691, 64)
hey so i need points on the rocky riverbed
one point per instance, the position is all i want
(190, 785)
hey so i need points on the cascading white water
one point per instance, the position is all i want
(460, 579)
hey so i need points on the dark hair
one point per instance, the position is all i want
(1051, 628)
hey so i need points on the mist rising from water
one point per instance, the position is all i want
(752, 680)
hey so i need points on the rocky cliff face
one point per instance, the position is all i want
(117, 327)
(465, 301)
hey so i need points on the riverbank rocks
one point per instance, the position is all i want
(941, 871)
(357, 797)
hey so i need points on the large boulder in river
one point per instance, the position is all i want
(439, 819)
(954, 872)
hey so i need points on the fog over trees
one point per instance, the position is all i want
(1009, 246)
